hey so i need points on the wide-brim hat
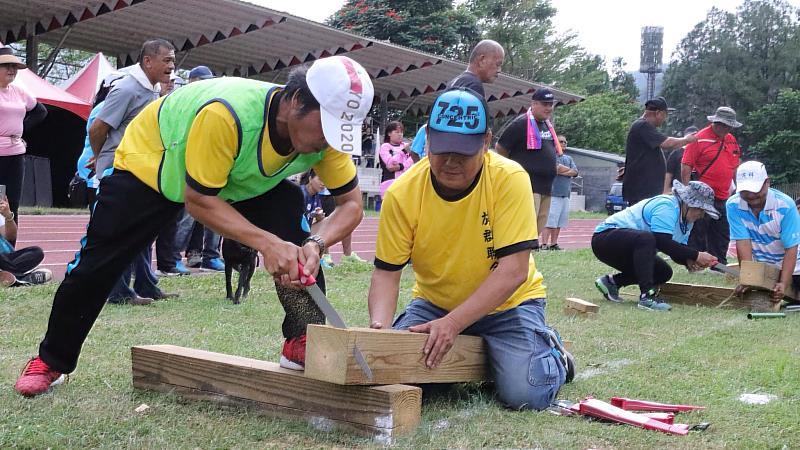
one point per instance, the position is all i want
(696, 195)
(7, 57)
(725, 115)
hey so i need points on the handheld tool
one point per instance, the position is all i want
(333, 317)
(727, 270)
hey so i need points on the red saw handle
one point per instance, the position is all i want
(305, 280)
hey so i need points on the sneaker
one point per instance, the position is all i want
(554, 247)
(37, 378)
(608, 288)
(293, 355)
(561, 353)
(176, 271)
(353, 257)
(327, 261)
(648, 301)
(7, 279)
(194, 259)
(36, 276)
(213, 265)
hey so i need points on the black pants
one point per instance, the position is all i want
(11, 171)
(167, 245)
(21, 261)
(127, 216)
(712, 236)
(633, 253)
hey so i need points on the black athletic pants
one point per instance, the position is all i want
(12, 169)
(712, 236)
(127, 216)
(633, 253)
(21, 261)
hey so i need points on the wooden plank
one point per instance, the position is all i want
(380, 411)
(763, 276)
(582, 305)
(568, 311)
(394, 356)
(694, 294)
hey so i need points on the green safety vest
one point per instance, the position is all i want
(247, 101)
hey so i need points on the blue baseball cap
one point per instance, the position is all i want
(201, 72)
(458, 123)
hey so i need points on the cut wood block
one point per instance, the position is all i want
(569, 311)
(394, 356)
(582, 305)
(761, 275)
(381, 411)
(710, 296)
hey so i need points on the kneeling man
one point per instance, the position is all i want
(464, 216)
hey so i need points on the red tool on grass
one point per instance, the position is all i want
(629, 404)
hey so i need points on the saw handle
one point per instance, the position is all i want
(305, 280)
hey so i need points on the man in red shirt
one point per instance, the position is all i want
(713, 159)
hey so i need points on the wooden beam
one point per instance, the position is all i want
(393, 356)
(694, 294)
(763, 276)
(569, 311)
(582, 305)
(382, 411)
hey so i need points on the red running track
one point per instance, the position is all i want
(60, 236)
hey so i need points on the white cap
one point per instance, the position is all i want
(344, 92)
(750, 176)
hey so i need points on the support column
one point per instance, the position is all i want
(32, 53)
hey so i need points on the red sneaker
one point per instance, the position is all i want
(37, 378)
(293, 355)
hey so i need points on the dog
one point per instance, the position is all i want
(242, 259)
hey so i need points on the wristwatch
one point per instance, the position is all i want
(316, 239)
(10, 218)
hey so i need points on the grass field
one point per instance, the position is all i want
(689, 355)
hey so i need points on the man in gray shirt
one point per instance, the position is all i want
(558, 217)
(130, 95)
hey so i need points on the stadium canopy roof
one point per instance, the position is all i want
(236, 38)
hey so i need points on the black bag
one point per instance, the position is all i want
(78, 192)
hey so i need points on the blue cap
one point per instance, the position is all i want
(458, 123)
(201, 72)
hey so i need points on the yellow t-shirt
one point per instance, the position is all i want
(454, 245)
(211, 149)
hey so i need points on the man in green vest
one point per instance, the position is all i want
(224, 147)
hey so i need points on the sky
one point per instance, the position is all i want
(609, 28)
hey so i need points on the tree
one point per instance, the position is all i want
(774, 131)
(600, 122)
(740, 60)
(525, 30)
(622, 81)
(432, 26)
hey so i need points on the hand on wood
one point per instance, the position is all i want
(778, 291)
(443, 333)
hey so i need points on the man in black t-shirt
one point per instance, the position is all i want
(485, 62)
(674, 162)
(645, 166)
(540, 163)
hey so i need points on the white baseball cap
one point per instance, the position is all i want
(750, 176)
(344, 92)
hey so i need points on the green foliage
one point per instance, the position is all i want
(623, 81)
(740, 60)
(432, 26)
(774, 131)
(600, 122)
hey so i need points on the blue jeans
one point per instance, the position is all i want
(526, 373)
(144, 284)
(189, 236)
